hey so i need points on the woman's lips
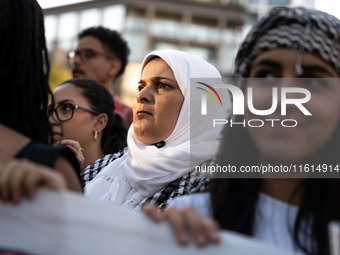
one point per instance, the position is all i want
(143, 113)
(57, 136)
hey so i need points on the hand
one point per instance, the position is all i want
(204, 229)
(74, 146)
(20, 177)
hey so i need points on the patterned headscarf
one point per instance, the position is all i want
(299, 28)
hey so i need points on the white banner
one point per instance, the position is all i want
(64, 223)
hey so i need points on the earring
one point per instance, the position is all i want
(96, 134)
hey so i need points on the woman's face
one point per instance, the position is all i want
(157, 104)
(81, 127)
(280, 144)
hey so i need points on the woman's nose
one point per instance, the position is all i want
(53, 119)
(145, 95)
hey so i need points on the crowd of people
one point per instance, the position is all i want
(144, 158)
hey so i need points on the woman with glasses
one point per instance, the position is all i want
(24, 126)
(82, 118)
(168, 137)
(291, 49)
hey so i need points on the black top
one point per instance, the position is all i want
(47, 155)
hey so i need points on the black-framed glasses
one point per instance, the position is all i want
(65, 111)
(86, 54)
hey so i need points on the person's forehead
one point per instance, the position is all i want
(157, 67)
(289, 55)
(68, 91)
(90, 42)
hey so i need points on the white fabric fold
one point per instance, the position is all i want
(144, 169)
(59, 223)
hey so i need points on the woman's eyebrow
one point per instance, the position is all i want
(64, 101)
(269, 63)
(161, 78)
(156, 78)
(315, 68)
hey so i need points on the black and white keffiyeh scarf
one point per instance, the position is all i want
(298, 28)
(190, 183)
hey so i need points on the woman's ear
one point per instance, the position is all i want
(100, 122)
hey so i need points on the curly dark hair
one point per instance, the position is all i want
(111, 39)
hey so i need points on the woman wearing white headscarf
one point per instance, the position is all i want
(169, 136)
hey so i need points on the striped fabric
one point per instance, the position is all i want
(188, 184)
(92, 170)
(299, 28)
(191, 183)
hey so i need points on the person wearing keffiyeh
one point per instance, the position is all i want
(299, 28)
(291, 214)
(155, 169)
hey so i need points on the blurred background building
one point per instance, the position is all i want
(211, 30)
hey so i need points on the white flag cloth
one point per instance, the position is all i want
(64, 223)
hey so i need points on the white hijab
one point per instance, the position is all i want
(144, 169)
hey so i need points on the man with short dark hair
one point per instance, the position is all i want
(102, 55)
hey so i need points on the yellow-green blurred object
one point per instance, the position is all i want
(59, 74)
